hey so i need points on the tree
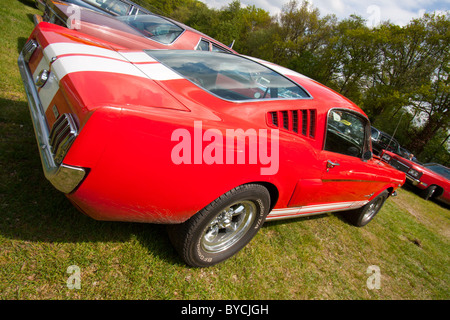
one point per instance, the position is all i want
(355, 51)
(303, 41)
(432, 99)
(408, 58)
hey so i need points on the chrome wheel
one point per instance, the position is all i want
(362, 216)
(372, 210)
(222, 228)
(228, 227)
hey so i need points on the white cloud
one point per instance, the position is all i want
(398, 12)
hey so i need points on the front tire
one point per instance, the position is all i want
(362, 216)
(222, 228)
(429, 192)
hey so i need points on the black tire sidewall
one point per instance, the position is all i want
(360, 220)
(429, 192)
(195, 255)
(356, 217)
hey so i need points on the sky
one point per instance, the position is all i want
(374, 11)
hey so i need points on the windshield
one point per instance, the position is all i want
(154, 27)
(229, 76)
(443, 171)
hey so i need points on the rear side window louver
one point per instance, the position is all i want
(301, 122)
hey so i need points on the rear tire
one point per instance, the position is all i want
(222, 228)
(362, 216)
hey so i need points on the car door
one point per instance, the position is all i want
(343, 175)
(347, 175)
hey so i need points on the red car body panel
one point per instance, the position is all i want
(127, 106)
(428, 177)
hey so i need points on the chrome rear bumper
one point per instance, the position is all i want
(65, 178)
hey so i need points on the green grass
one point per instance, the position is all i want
(42, 234)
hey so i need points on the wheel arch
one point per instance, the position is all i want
(438, 192)
(273, 192)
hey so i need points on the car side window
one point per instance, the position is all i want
(345, 133)
(203, 45)
(219, 49)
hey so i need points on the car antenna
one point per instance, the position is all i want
(232, 44)
(395, 131)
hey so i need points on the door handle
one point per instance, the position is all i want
(331, 164)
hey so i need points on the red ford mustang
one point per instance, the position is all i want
(212, 144)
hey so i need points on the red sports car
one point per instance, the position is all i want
(146, 31)
(432, 179)
(210, 143)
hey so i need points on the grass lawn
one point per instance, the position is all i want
(42, 234)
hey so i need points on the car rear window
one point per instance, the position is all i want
(154, 27)
(230, 76)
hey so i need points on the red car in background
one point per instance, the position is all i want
(145, 31)
(432, 179)
(111, 7)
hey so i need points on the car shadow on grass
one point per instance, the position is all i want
(30, 3)
(32, 210)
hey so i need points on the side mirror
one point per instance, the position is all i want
(367, 155)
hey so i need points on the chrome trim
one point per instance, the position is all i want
(42, 78)
(64, 178)
(306, 211)
(412, 180)
(62, 136)
(29, 49)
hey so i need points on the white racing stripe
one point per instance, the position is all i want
(62, 48)
(71, 64)
(66, 48)
(76, 57)
(157, 71)
(137, 57)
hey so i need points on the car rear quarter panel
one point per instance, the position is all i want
(134, 178)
